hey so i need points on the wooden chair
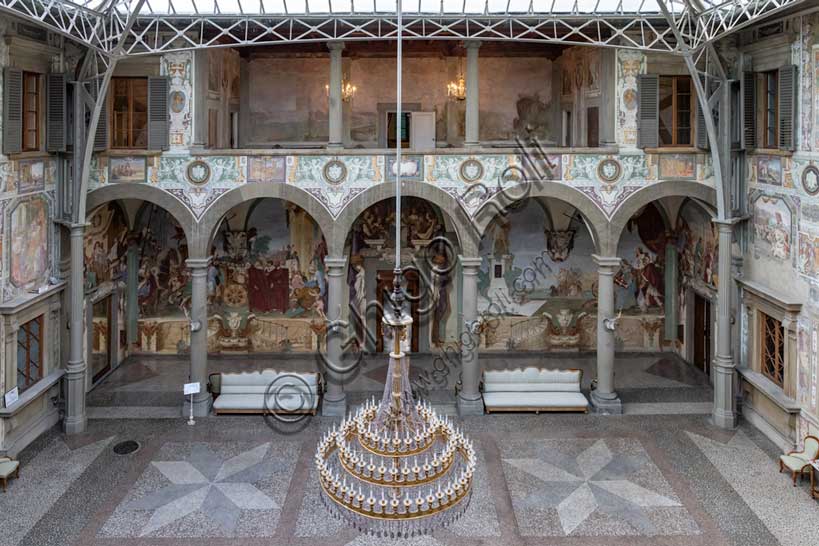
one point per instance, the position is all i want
(798, 462)
(9, 468)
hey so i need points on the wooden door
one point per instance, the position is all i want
(702, 334)
(383, 288)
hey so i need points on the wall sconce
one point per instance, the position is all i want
(348, 90)
(456, 89)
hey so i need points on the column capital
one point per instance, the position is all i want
(198, 263)
(472, 44)
(78, 229)
(335, 262)
(729, 222)
(471, 262)
(607, 261)
(335, 46)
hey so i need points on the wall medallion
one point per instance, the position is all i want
(335, 172)
(198, 172)
(609, 170)
(810, 179)
(471, 170)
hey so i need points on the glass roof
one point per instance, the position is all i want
(448, 7)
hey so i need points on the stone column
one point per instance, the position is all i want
(724, 415)
(671, 292)
(604, 399)
(75, 419)
(336, 109)
(131, 294)
(469, 397)
(199, 337)
(472, 136)
(334, 402)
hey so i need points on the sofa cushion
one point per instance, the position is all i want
(535, 400)
(793, 463)
(532, 386)
(532, 375)
(284, 401)
(280, 387)
(7, 468)
(266, 377)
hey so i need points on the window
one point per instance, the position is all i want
(405, 129)
(676, 100)
(770, 99)
(772, 352)
(29, 353)
(31, 112)
(213, 128)
(129, 123)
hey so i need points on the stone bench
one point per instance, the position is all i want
(533, 389)
(267, 390)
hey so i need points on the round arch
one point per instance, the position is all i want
(150, 194)
(464, 229)
(591, 214)
(224, 203)
(668, 188)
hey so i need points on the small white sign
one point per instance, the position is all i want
(11, 396)
(191, 388)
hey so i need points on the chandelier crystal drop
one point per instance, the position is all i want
(395, 468)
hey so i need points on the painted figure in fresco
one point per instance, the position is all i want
(624, 287)
(215, 283)
(649, 280)
(500, 243)
(440, 298)
(569, 283)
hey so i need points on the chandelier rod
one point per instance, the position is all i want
(398, 143)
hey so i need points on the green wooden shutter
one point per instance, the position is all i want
(748, 106)
(158, 113)
(787, 107)
(55, 113)
(101, 134)
(12, 110)
(648, 111)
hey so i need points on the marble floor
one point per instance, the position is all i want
(542, 479)
(658, 475)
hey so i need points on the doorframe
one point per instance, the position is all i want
(690, 296)
(381, 120)
(113, 333)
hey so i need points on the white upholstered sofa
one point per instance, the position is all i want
(267, 390)
(533, 389)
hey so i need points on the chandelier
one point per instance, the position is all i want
(395, 468)
(348, 90)
(456, 89)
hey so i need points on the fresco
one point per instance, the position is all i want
(29, 242)
(265, 169)
(178, 66)
(697, 246)
(545, 281)
(33, 174)
(106, 246)
(126, 169)
(772, 227)
(630, 64)
(271, 267)
(769, 170)
(679, 166)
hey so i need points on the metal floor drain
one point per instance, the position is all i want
(126, 448)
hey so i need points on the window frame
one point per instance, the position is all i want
(770, 94)
(29, 379)
(692, 112)
(26, 129)
(772, 366)
(131, 137)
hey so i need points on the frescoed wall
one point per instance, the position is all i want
(697, 247)
(538, 281)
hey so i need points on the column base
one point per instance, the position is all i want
(75, 424)
(201, 406)
(467, 406)
(724, 419)
(334, 408)
(335, 145)
(607, 404)
(472, 144)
